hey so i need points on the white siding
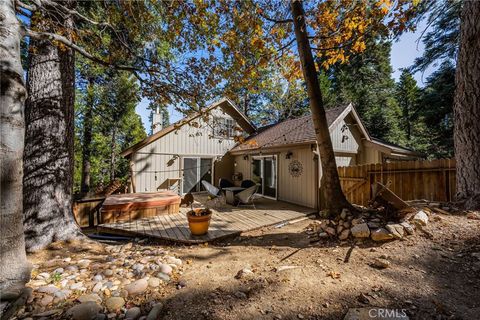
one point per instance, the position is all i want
(163, 157)
(299, 190)
(346, 136)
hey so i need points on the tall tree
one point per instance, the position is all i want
(434, 132)
(467, 107)
(334, 198)
(366, 81)
(329, 28)
(49, 137)
(14, 269)
(114, 126)
(408, 95)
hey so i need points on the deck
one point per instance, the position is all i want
(226, 221)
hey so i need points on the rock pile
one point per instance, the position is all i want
(111, 284)
(369, 224)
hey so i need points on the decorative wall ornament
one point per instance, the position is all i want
(295, 168)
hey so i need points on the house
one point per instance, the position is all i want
(283, 158)
(180, 155)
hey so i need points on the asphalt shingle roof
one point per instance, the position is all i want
(292, 131)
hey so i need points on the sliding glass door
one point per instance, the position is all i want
(194, 171)
(264, 173)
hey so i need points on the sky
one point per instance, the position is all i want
(404, 52)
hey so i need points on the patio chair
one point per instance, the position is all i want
(247, 184)
(212, 191)
(224, 183)
(247, 196)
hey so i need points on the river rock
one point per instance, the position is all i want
(396, 229)
(90, 297)
(340, 228)
(83, 263)
(164, 277)
(46, 300)
(165, 268)
(137, 287)
(62, 294)
(360, 230)
(381, 234)
(330, 231)
(108, 272)
(344, 234)
(138, 266)
(77, 286)
(59, 270)
(84, 311)
(420, 218)
(43, 276)
(155, 312)
(357, 221)
(153, 282)
(175, 261)
(97, 278)
(114, 304)
(408, 227)
(50, 289)
(72, 268)
(133, 313)
(97, 287)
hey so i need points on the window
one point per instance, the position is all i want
(223, 127)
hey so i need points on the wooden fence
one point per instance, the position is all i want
(411, 180)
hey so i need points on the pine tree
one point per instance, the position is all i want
(366, 82)
(436, 111)
(407, 94)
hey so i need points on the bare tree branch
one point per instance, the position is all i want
(25, 6)
(55, 37)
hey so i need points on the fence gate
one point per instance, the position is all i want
(411, 180)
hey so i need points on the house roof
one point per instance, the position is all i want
(225, 104)
(301, 130)
(292, 131)
(396, 149)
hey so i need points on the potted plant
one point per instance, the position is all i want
(199, 220)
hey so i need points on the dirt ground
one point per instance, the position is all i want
(430, 277)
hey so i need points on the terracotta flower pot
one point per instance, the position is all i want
(198, 224)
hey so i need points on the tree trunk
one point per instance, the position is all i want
(87, 139)
(113, 145)
(14, 268)
(333, 198)
(48, 158)
(467, 107)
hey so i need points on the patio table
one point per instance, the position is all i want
(230, 194)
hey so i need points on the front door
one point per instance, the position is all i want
(264, 173)
(194, 171)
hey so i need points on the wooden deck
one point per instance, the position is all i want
(226, 221)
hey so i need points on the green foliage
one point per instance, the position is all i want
(407, 95)
(442, 36)
(436, 110)
(366, 81)
(115, 126)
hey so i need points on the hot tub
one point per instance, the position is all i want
(131, 206)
